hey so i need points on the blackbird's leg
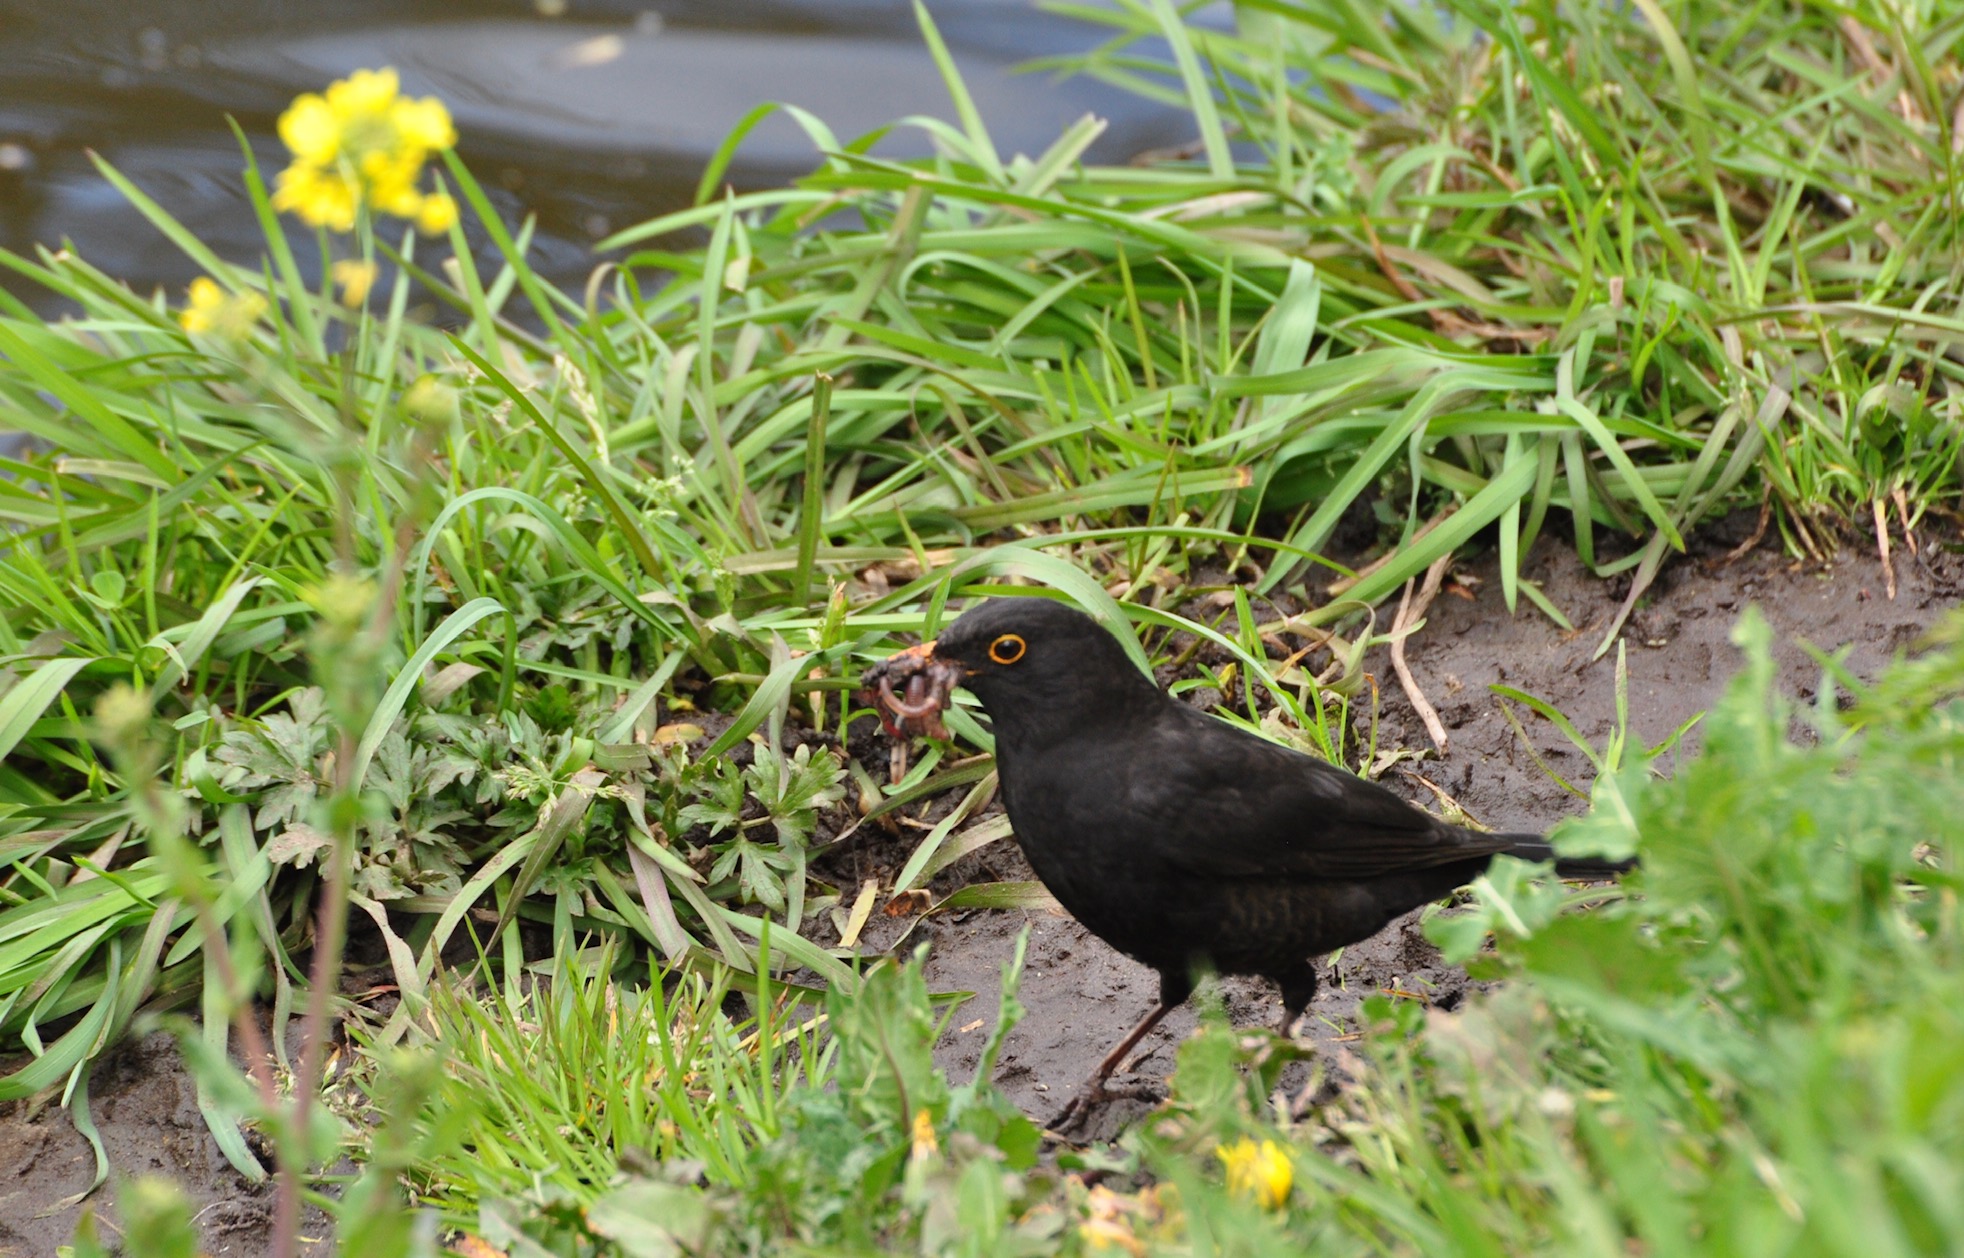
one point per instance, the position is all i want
(1298, 989)
(1174, 988)
(1093, 1090)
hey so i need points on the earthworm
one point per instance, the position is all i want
(916, 705)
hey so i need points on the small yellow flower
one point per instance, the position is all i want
(212, 311)
(925, 1145)
(341, 600)
(321, 195)
(1261, 1173)
(430, 401)
(207, 299)
(362, 142)
(365, 93)
(439, 211)
(122, 713)
(355, 278)
(309, 129)
(425, 122)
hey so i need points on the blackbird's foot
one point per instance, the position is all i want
(1096, 1093)
(1088, 1098)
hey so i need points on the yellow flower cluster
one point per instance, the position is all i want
(214, 312)
(364, 142)
(1262, 1174)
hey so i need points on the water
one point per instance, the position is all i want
(590, 114)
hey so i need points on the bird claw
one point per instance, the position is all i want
(1090, 1096)
(910, 690)
(1093, 1094)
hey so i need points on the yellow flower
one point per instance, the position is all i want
(425, 122)
(355, 278)
(362, 142)
(438, 213)
(309, 129)
(925, 1145)
(212, 311)
(322, 196)
(1262, 1174)
(207, 299)
(365, 93)
(430, 401)
(399, 199)
(341, 600)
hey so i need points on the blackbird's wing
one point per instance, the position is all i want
(1226, 803)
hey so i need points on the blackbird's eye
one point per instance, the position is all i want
(1007, 649)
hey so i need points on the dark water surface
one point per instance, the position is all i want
(591, 114)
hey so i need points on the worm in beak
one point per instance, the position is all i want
(911, 689)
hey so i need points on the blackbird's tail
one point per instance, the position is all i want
(1533, 847)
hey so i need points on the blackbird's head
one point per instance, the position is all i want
(1036, 665)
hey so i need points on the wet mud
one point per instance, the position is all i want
(145, 1106)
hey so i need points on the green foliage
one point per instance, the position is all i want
(590, 1116)
(490, 558)
(155, 1212)
(789, 790)
(890, 1155)
(1726, 1052)
(326, 605)
(554, 1088)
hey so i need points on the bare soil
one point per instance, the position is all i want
(145, 1106)
(1080, 995)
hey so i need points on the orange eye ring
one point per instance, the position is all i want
(1007, 649)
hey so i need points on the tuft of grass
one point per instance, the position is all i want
(590, 1115)
(574, 1075)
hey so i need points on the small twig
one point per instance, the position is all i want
(1759, 531)
(1408, 612)
(1864, 49)
(1882, 548)
(1902, 513)
(1814, 551)
(1405, 287)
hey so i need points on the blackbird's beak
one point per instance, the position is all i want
(911, 689)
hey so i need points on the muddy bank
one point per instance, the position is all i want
(145, 1106)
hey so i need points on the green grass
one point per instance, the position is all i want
(386, 618)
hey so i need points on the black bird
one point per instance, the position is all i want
(1177, 838)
